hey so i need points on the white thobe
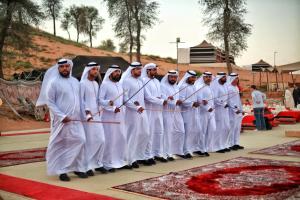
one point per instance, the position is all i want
(235, 104)
(207, 120)
(65, 152)
(173, 122)
(221, 135)
(289, 100)
(190, 117)
(153, 104)
(137, 125)
(95, 139)
(115, 136)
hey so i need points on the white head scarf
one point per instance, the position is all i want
(86, 70)
(187, 75)
(110, 70)
(51, 74)
(127, 73)
(232, 77)
(146, 67)
(218, 77)
(200, 82)
(165, 80)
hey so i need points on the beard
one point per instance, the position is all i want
(115, 78)
(172, 82)
(65, 75)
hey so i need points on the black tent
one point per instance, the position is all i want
(79, 63)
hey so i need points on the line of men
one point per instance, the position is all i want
(133, 118)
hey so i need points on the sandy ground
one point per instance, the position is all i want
(101, 184)
(9, 124)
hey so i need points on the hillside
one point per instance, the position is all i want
(46, 49)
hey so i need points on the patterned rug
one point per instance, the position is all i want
(9, 158)
(236, 179)
(286, 149)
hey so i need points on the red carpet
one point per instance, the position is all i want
(43, 191)
(286, 149)
(9, 158)
(25, 133)
(239, 178)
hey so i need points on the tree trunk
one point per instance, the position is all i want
(5, 25)
(226, 16)
(129, 30)
(138, 32)
(91, 38)
(69, 34)
(54, 27)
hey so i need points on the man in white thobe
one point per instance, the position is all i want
(136, 123)
(95, 140)
(207, 113)
(154, 104)
(190, 115)
(65, 152)
(173, 122)
(116, 145)
(221, 135)
(288, 98)
(235, 112)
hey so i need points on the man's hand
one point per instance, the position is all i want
(140, 110)
(178, 102)
(66, 120)
(171, 98)
(136, 103)
(196, 104)
(111, 103)
(210, 110)
(165, 102)
(205, 102)
(117, 110)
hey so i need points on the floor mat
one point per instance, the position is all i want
(17, 157)
(239, 179)
(286, 149)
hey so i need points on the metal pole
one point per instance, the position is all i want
(276, 72)
(177, 53)
(177, 42)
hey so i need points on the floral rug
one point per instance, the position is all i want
(9, 158)
(286, 149)
(240, 178)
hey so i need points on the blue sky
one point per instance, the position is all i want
(276, 27)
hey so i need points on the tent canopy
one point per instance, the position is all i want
(292, 67)
(79, 62)
(262, 66)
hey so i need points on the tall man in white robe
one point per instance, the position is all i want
(65, 152)
(154, 104)
(207, 113)
(116, 145)
(188, 96)
(221, 135)
(173, 122)
(95, 140)
(235, 112)
(136, 123)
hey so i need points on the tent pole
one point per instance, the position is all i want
(282, 81)
(260, 79)
(267, 81)
(293, 78)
